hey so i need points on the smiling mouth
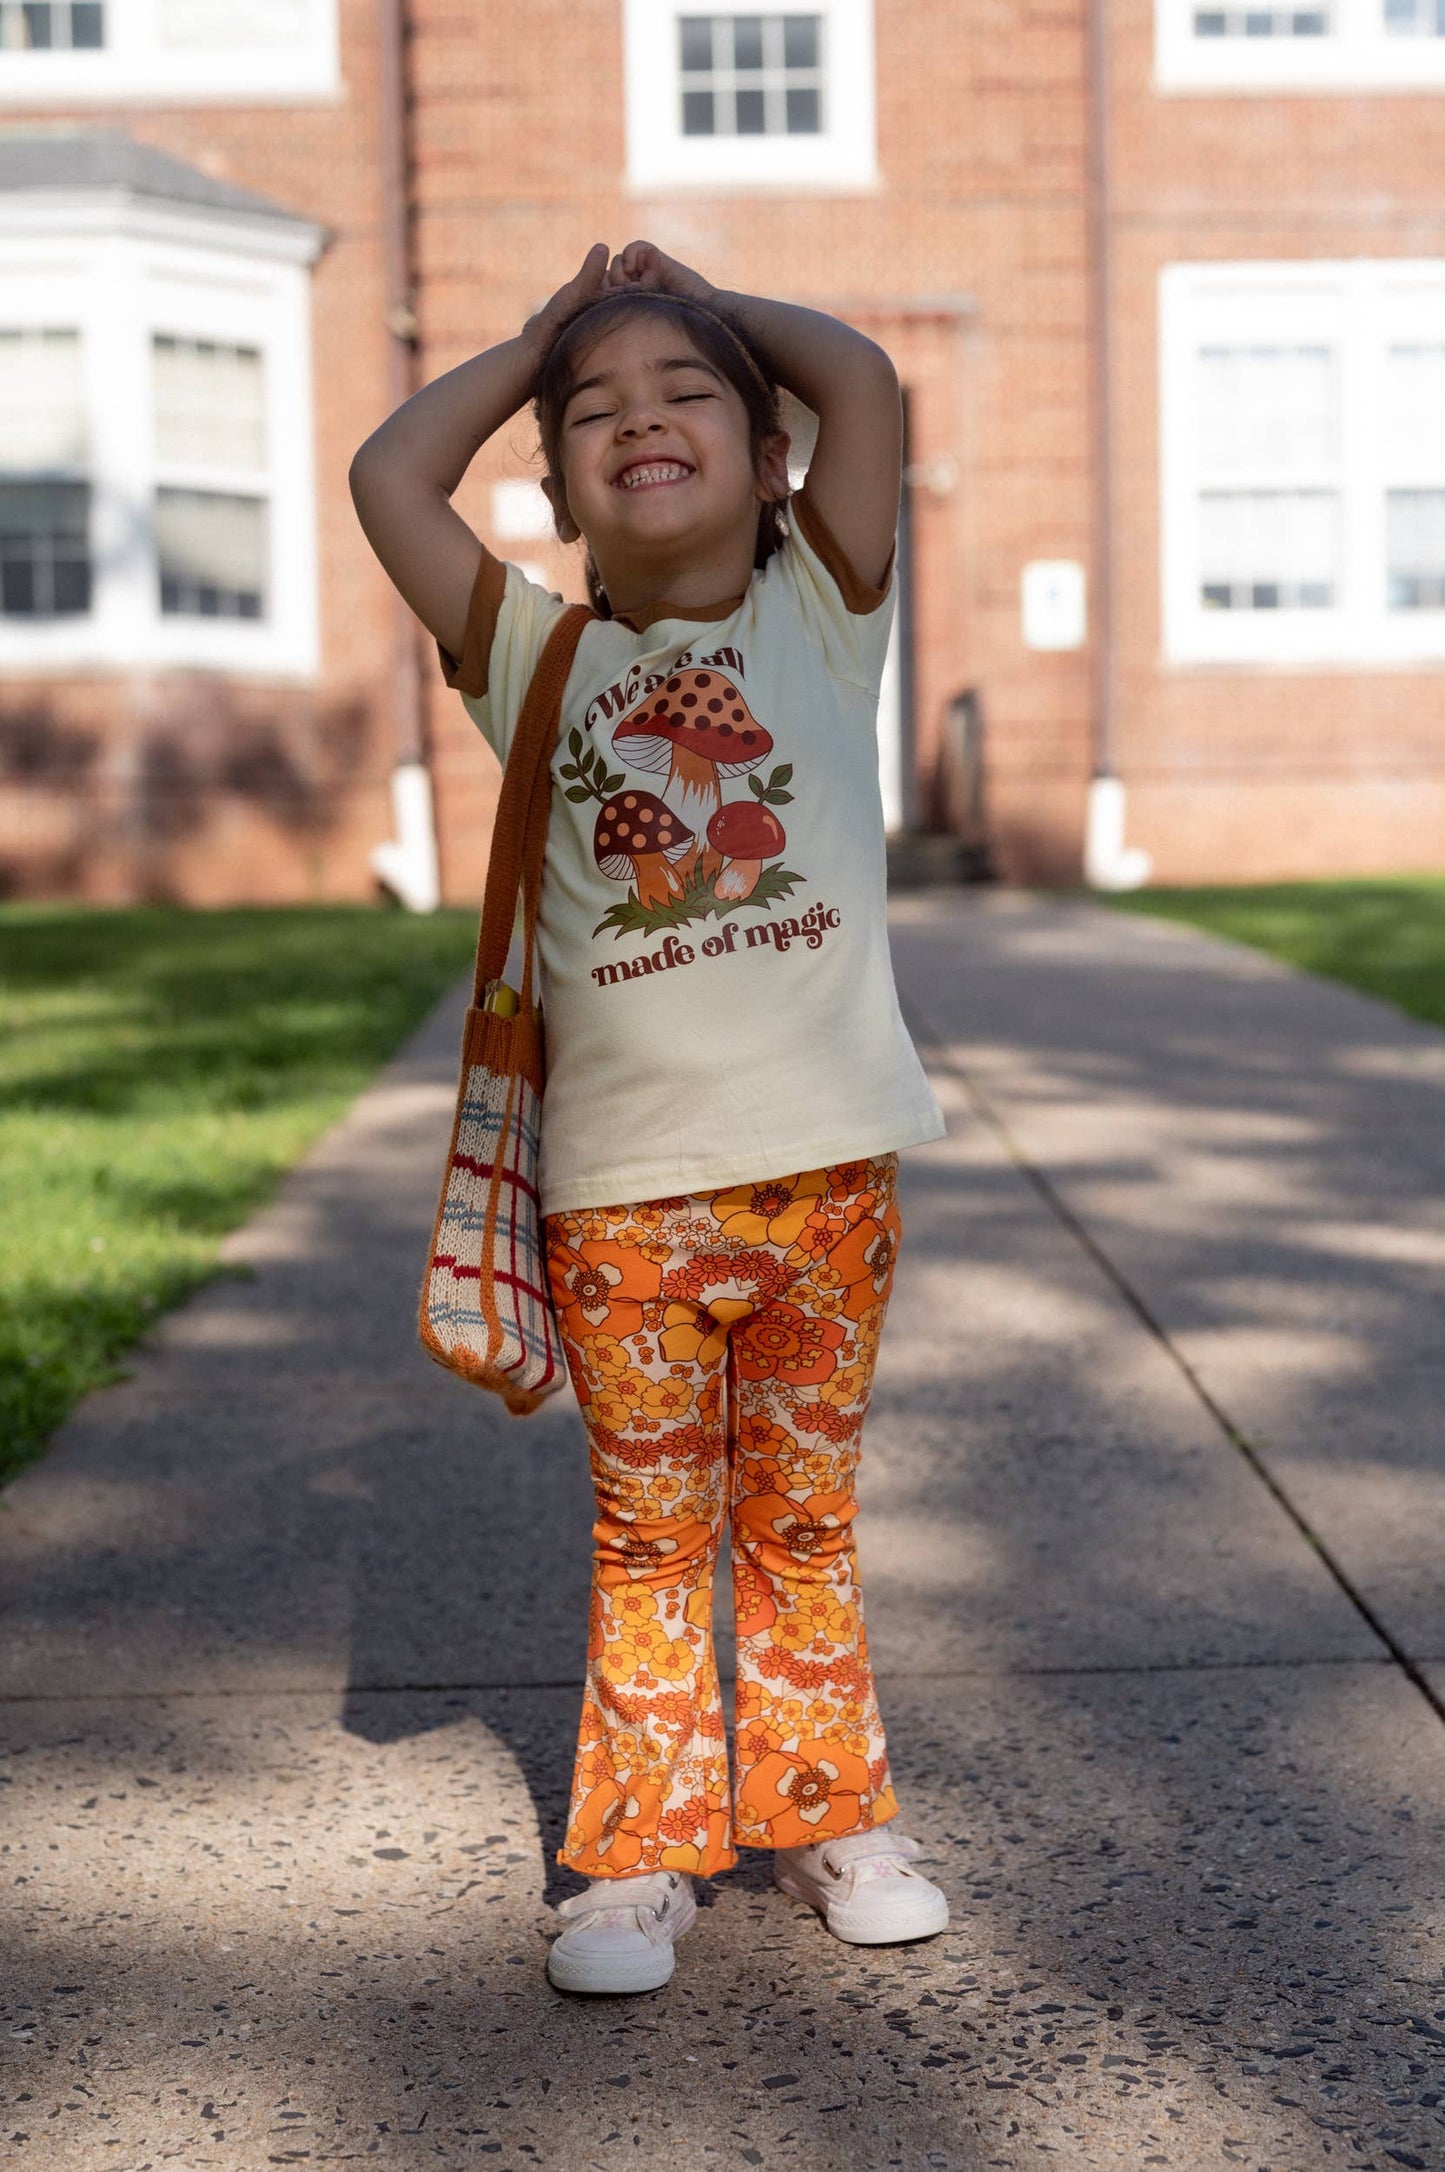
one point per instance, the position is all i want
(649, 472)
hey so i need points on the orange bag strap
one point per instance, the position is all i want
(519, 834)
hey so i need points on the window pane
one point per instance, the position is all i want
(1415, 409)
(1415, 549)
(1263, 550)
(800, 41)
(1415, 18)
(747, 41)
(804, 117)
(1262, 23)
(231, 22)
(1270, 407)
(751, 75)
(44, 549)
(211, 546)
(209, 403)
(695, 43)
(42, 399)
(49, 25)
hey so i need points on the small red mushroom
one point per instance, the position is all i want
(746, 833)
(696, 728)
(638, 835)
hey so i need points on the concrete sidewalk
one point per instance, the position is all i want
(1151, 1539)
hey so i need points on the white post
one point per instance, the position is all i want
(407, 863)
(1110, 864)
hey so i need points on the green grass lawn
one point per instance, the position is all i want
(1385, 936)
(158, 1071)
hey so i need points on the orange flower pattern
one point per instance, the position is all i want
(722, 1348)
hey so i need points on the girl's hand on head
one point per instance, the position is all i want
(642, 264)
(542, 328)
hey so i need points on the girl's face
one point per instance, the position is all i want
(656, 460)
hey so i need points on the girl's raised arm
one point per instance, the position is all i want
(403, 477)
(854, 476)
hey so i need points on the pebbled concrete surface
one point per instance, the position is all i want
(293, 1639)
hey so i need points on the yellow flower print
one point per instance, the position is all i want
(634, 1604)
(770, 1213)
(689, 1337)
(845, 1388)
(669, 1398)
(613, 1411)
(816, 1616)
(610, 1357)
(671, 1660)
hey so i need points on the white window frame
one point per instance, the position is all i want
(1359, 308)
(164, 271)
(843, 156)
(134, 65)
(1358, 53)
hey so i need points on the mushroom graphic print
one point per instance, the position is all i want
(746, 833)
(685, 853)
(638, 835)
(696, 729)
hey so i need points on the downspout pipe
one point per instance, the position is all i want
(406, 863)
(1109, 863)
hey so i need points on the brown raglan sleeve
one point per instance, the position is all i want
(858, 596)
(468, 673)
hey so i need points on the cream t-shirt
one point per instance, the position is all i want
(716, 985)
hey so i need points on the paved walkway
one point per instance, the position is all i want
(1152, 1540)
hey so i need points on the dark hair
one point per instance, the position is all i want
(714, 337)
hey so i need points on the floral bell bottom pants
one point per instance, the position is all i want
(722, 1349)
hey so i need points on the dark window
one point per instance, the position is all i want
(1265, 22)
(751, 75)
(44, 549)
(51, 25)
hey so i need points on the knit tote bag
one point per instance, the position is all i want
(485, 1308)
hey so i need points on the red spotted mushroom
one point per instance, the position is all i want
(744, 834)
(696, 729)
(638, 836)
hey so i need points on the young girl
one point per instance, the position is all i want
(729, 1079)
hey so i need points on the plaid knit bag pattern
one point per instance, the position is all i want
(485, 1308)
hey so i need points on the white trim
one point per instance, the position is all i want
(135, 65)
(1357, 53)
(1359, 308)
(118, 290)
(118, 210)
(843, 156)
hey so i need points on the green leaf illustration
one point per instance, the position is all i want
(783, 774)
(574, 742)
(569, 769)
(579, 792)
(698, 902)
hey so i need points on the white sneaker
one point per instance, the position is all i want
(620, 1933)
(864, 1888)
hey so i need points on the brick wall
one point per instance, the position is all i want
(969, 264)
